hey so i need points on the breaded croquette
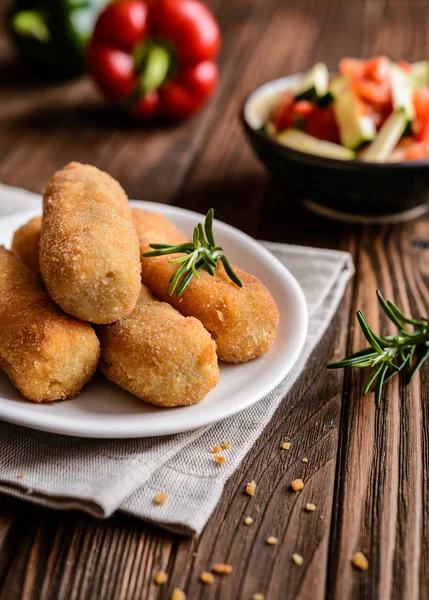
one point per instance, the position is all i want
(242, 321)
(46, 354)
(159, 355)
(25, 244)
(89, 252)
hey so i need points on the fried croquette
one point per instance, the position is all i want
(159, 355)
(242, 321)
(89, 252)
(25, 244)
(46, 354)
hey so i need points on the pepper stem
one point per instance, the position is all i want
(31, 23)
(153, 61)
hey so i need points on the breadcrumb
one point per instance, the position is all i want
(222, 569)
(216, 449)
(226, 445)
(258, 597)
(297, 559)
(310, 506)
(248, 521)
(160, 499)
(206, 577)
(161, 577)
(297, 485)
(286, 445)
(220, 459)
(21, 475)
(178, 594)
(305, 460)
(360, 561)
(250, 488)
(272, 541)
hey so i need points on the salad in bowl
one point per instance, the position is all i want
(373, 110)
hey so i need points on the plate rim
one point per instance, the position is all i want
(60, 426)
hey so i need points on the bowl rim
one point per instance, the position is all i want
(355, 164)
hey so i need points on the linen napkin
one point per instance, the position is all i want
(104, 476)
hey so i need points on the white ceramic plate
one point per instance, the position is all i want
(103, 410)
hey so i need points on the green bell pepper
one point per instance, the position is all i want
(51, 35)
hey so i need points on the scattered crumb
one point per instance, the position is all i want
(297, 485)
(178, 594)
(206, 577)
(286, 445)
(258, 597)
(21, 475)
(305, 460)
(226, 445)
(160, 499)
(248, 521)
(250, 488)
(194, 554)
(297, 559)
(272, 541)
(360, 561)
(310, 506)
(161, 577)
(220, 459)
(222, 569)
(216, 449)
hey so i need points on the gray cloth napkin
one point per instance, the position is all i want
(103, 476)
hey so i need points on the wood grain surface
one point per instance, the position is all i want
(367, 470)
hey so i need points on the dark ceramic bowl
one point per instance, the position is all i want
(355, 191)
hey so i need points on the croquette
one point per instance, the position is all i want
(159, 355)
(89, 251)
(242, 321)
(47, 354)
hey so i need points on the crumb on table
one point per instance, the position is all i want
(248, 521)
(161, 577)
(297, 559)
(297, 485)
(310, 507)
(305, 460)
(206, 577)
(216, 449)
(360, 561)
(178, 594)
(222, 569)
(250, 488)
(286, 445)
(272, 541)
(258, 597)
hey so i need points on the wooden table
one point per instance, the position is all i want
(368, 470)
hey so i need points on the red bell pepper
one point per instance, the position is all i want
(155, 57)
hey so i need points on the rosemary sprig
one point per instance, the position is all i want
(201, 253)
(389, 355)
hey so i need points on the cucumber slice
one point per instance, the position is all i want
(335, 87)
(402, 94)
(420, 73)
(355, 125)
(314, 84)
(298, 140)
(387, 138)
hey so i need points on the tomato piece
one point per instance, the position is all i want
(303, 108)
(421, 102)
(404, 65)
(353, 67)
(417, 151)
(321, 124)
(372, 91)
(377, 68)
(280, 116)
